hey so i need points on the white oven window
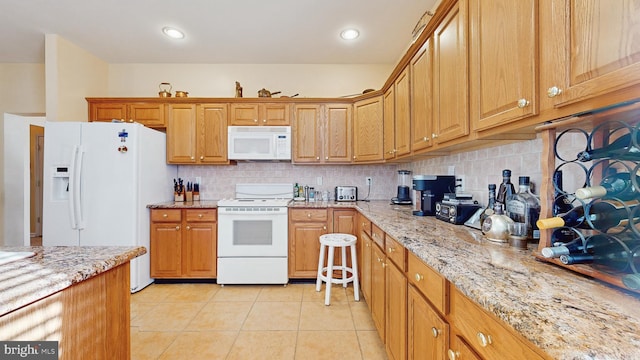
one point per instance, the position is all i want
(252, 145)
(252, 232)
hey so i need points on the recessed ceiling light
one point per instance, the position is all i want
(173, 32)
(349, 34)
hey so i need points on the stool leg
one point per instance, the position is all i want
(320, 265)
(327, 295)
(354, 267)
(344, 266)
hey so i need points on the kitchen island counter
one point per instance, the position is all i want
(53, 269)
(565, 314)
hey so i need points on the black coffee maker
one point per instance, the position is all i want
(429, 189)
(404, 189)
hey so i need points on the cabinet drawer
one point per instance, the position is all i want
(432, 285)
(366, 225)
(487, 335)
(165, 215)
(308, 214)
(208, 215)
(396, 252)
(377, 235)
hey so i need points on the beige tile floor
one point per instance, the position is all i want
(209, 321)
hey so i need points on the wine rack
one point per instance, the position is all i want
(563, 144)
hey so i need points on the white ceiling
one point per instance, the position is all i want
(217, 31)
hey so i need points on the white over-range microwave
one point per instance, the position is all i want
(259, 142)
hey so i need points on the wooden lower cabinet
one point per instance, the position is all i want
(396, 312)
(427, 332)
(378, 286)
(367, 263)
(183, 243)
(305, 228)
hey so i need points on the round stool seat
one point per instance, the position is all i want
(328, 243)
(338, 240)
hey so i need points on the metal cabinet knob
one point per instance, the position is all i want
(130, 120)
(354, 157)
(188, 227)
(317, 157)
(309, 215)
(324, 228)
(264, 121)
(425, 138)
(453, 355)
(418, 277)
(384, 265)
(200, 216)
(391, 249)
(165, 215)
(178, 227)
(193, 158)
(484, 340)
(554, 91)
(326, 158)
(201, 157)
(522, 103)
(434, 135)
(435, 332)
(255, 120)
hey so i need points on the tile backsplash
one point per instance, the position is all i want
(478, 167)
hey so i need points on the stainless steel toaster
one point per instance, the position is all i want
(346, 193)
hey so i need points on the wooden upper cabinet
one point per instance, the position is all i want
(597, 42)
(211, 132)
(260, 114)
(307, 137)
(322, 133)
(503, 61)
(389, 124)
(181, 134)
(451, 95)
(368, 130)
(403, 113)
(148, 114)
(337, 133)
(422, 97)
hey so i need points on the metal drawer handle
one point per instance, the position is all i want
(418, 277)
(484, 340)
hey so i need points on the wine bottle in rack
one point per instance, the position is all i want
(622, 148)
(606, 251)
(561, 203)
(506, 189)
(602, 214)
(618, 185)
(575, 246)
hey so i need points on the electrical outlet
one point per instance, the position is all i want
(460, 183)
(319, 180)
(369, 180)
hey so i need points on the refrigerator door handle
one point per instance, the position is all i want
(78, 189)
(72, 187)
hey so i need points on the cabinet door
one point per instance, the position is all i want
(396, 313)
(368, 130)
(150, 115)
(422, 97)
(211, 127)
(200, 250)
(166, 250)
(403, 114)
(337, 133)
(244, 114)
(427, 333)
(460, 350)
(389, 124)
(181, 134)
(344, 221)
(107, 111)
(595, 48)
(451, 111)
(503, 61)
(274, 114)
(378, 293)
(304, 248)
(307, 134)
(365, 269)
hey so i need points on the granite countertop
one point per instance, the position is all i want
(567, 315)
(55, 268)
(185, 205)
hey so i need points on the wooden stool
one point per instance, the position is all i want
(328, 242)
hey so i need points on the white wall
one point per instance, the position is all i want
(71, 75)
(16, 180)
(22, 91)
(218, 80)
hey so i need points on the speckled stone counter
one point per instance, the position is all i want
(566, 315)
(53, 269)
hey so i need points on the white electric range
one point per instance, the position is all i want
(253, 235)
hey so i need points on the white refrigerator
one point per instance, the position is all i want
(98, 180)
